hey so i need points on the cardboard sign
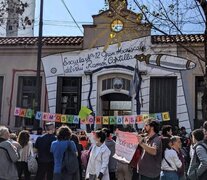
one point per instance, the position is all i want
(17, 111)
(98, 119)
(76, 120)
(38, 116)
(112, 120)
(22, 112)
(166, 116)
(126, 145)
(105, 120)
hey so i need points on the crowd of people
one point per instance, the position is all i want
(60, 154)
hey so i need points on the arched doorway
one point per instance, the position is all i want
(114, 99)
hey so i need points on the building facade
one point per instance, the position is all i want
(96, 71)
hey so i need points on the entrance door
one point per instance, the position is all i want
(116, 104)
(163, 96)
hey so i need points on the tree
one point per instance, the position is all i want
(13, 10)
(165, 19)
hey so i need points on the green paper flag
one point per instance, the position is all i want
(112, 120)
(84, 112)
(70, 119)
(29, 113)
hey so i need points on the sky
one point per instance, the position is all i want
(57, 21)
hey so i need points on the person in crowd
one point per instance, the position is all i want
(110, 143)
(177, 146)
(167, 131)
(99, 158)
(198, 163)
(79, 147)
(13, 140)
(150, 163)
(8, 156)
(25, 152)
(205, 131)
(83, 139)
(170, 159)
(58, 148)
(45, 157)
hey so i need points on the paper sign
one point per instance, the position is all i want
(153, 116)
(158, 116)
(126, 119)
(90, 119)
(105, 120)
(38, 116)
(112, 120)
(126, 145)
(22, 112)
(17, 111)
(75, 120)
(119, 120)
(145, 117)
(58, 118)
(51, 117)
(132, 120)
(45, 116)
(63, 119)
(139, 119)
(70, 119)
(98, 119)
(29, 113)
(166, 116)
(84, 121)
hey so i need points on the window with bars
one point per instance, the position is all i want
(26, 98)
(109, 84)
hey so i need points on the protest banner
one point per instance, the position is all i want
(126, 145)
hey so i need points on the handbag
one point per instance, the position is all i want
(32, 162)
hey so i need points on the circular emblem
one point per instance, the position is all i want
(118, 84)
(53, 70)
(117, 25)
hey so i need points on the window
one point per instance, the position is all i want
(10, 28)
(69, 95)
(163, 96)
(109, 83)
(1, 92)
(26, 98)
(199, 88)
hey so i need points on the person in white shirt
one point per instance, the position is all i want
(170, 161)
(97, 168)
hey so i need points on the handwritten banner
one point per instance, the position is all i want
(75, 119)
(126, 145)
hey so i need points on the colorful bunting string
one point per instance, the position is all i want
(89, 119)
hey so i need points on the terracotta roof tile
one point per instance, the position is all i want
(189, 38)
(47, 41)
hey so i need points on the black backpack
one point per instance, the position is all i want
(70, 164)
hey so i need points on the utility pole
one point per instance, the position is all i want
(39, 56)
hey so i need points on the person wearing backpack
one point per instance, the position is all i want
(65, 156)
(198, 164)
(97, 168)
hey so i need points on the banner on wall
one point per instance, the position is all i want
(75, 119)
(126, 145)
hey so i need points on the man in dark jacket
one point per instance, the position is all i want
(45, 157)
(110, 143)
(8, 156)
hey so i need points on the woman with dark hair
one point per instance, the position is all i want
(99, 158)
(58, 148)
(79, 147)
(170, 161)
(25, 151)
(198, 164)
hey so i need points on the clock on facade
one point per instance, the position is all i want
(117, 25)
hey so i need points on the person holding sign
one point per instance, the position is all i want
(97, 168)
(149, 166)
